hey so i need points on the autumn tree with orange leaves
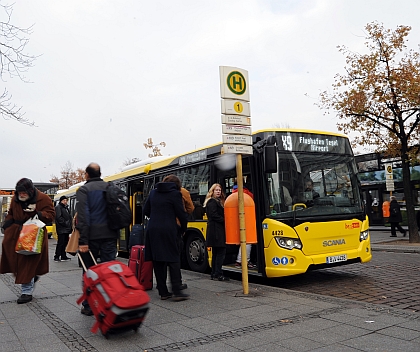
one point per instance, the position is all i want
(69, 176)
(379, 98)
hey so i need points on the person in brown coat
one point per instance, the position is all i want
(26, 203)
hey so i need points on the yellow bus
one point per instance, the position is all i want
(298, 229)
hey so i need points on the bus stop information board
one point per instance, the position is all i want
(389, 178)
(235, 110)
(237, 139)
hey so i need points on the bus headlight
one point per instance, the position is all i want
(364, 235)
(288, 243)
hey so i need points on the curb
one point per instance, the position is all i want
(399, 249)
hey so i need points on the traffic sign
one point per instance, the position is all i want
(389, 177)
(237, 149)
(233, 83)
(236, 120)
(235, 107)
(232, 129)
(235, 101)
(388, 172)
(390, 186)
(237, 139)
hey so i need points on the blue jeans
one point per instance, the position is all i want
(105, 250)
(28, 289)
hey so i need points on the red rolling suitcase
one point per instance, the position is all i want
(143, 270)
(115, 296)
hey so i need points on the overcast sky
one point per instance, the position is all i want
(112, 74)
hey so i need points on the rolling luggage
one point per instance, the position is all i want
(136, 236)
(143, 270)
(115, 296)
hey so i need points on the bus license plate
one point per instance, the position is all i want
(337, 258)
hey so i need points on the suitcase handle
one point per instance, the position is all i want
(125, 282)
(83, 263)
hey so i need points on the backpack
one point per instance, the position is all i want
(118, 209)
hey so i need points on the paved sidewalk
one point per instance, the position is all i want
(218, 317)
(381, 241)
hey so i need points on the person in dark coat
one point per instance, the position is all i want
(92, 222)
(188, 207)
(215, 235)
(63, 225)
(395, 217)
(418, 219)
(163, 206)
(26, 203)
(310, 193)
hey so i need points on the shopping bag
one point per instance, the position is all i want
(73, 245)
(31, 237)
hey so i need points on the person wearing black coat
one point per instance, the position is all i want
(395, 217)
(163, 206)
(215, 235)
(63, 226)
(418, 219)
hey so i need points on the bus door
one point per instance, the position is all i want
(373, 206)
(136, 204)
(228, 181)
(124, 233)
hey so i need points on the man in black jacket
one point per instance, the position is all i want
(395, 217)
(63, 227)
(92, 222)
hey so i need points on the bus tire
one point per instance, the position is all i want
(196, 252)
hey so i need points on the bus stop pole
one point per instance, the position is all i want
(242, 229)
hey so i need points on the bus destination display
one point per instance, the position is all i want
(316, 143)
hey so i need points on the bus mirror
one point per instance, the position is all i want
(270, 160)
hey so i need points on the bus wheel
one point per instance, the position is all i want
(196, 253)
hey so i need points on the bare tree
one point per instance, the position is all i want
(129, 161)
(14, 62)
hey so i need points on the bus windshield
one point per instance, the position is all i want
(312, 185)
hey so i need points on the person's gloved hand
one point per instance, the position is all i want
(30, 208)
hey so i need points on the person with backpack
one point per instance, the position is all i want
(96, 235)
(395, 217)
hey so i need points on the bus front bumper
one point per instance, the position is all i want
(281, 262)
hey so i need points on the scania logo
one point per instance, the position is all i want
(333, 242)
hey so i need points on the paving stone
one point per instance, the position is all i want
(218, 317)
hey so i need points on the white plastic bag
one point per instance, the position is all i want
(31, 237)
